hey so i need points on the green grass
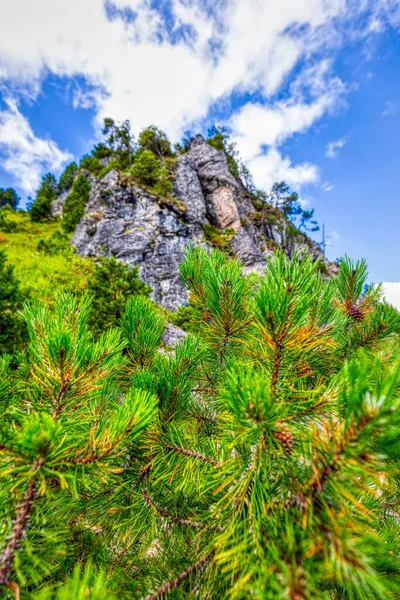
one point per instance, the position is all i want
(42, 274)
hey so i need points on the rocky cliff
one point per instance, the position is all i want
(209, 206)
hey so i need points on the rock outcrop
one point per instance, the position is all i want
(125, 221)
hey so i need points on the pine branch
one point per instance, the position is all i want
(192, 454)
(20, 525)
(168, 586)
(163, 513)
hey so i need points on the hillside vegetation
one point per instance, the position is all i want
(42, 258)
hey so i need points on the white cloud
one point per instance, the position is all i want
(272, 166)
(327, 187)
(333, 147)
(24, 155)
(391, 292)
(171, 72)
(389, 109)
(257, 125)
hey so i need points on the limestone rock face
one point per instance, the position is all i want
(172, 335)
(127, 222)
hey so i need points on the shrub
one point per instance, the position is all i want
(111, 284)
(114, 163)
(40, 208)
(74, 205)
(259, 460)
(6, 224)
(219, 238)
(66, 180)
(58, 243)
(163, 186)
(9, 197)
(146, 168)
(186, 318)
(12, 328)
(101, 151)
(91, 164)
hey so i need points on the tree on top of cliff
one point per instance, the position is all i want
(120, 139)
(154, 139)
(66, 180)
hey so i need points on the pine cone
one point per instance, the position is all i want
(303, 369)
(355, 313)
(284, 435)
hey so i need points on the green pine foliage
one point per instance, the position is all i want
(7, 223)
(74, 205)
(66, 180)
(163, 186)
(119, 140)
(154, 139)
(91, 164)
(12, 329)
(146, 168)
(9, 197)
(112, 283)
(260, 459)
(40, 208)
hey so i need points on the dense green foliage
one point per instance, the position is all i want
(147, 168)
(152, 138)
(119, 140)
(101, 151)
(112, 283)
(8, 197)
(74, 205)
(40, 208)
(12, 329)
(66, 180)
(7, 223)
(91, 164)
(259, 460)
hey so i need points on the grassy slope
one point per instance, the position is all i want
(39, 272)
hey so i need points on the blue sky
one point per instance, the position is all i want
(310, 90)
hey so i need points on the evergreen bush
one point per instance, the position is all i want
(74, 205)
(9, 197)
(12, 329)
(258, 460)
(66, 180)
(163, 186)
(146, 168)
(91, 164)
(152, 138)
(112, 283)
(40, 208)
(58, 243)
(7, 224)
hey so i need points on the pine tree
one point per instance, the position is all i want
(12, 330)
(258, 460)
(66, 180)
(111, 285)
(74, 205)
(9, 197)
(40, 208)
